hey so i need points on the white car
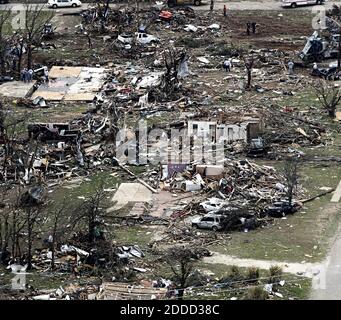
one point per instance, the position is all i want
(296, 3)
(63, 3)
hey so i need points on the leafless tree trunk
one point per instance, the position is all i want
(328, 95)
(32, 214)
(180, 262)
(290, 173)
(91, 211)
(249, 65)
(35, 19)
(4, 43)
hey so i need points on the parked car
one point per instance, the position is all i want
(256, 148)
(63, 3)
(212, 204)
(172, 3)
(281, 208)
(296, 3)
(6, 79)
(208, 221)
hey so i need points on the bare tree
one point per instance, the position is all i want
(18, 222)
(31, 219)
(5, 228)
(4, 40)
(13, 157)
(31, 203)
(91, 211)
(328, 95)
(35, 19)
(249, 63)
(58, 228)
(290, 173)
(180, 261)
(334, 25)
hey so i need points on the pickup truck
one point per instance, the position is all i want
(143, 38)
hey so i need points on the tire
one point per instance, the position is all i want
(214, 228)
(74, 5)
(130, 222)
(294, 5)
(197, 2)
(195, 226)
(54, 6)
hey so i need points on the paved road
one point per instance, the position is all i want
(330, 278)
(231, 5)
(304, 269)
(259, 5)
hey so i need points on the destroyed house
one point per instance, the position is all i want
(124, 291)
(240, 131)
(52, 132)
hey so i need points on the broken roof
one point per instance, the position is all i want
(72, 84)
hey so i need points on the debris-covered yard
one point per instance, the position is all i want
(155, 152)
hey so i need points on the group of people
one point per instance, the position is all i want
(251, 27)
(26, 75)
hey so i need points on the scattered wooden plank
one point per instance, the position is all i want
(337, 194)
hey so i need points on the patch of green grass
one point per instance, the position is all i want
(138, 234)
(37, 280)
(295, 287)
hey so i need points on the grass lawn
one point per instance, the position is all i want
(295, 287)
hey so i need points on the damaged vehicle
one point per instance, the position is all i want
(281, 209)
(141, 37)
(256, 148)
(210, 221)
(172, 3)
(212, 204)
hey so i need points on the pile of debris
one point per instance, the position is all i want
(237, 182)
(284, 127)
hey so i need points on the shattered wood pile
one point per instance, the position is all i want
(285, 127)
(240, 182)
(125, 291)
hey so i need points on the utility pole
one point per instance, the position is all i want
(339, 51)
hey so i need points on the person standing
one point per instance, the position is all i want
(30, 75)
(212, 5)
(227, 65)
(46, 74)
(225, 10)
(22, 75)
(25, 75)
(291, 67)
(248, 28)
(315, 69)
(253, 27)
